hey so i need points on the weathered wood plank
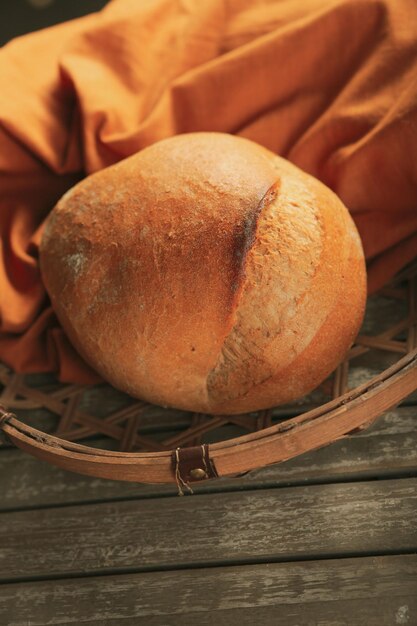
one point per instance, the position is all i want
(388, 448)
(378, 591)
(360, 518)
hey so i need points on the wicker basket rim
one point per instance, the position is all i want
(354, 410)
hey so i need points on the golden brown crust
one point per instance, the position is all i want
(305, 271)
(200, 272)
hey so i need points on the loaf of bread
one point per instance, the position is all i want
(206, 273)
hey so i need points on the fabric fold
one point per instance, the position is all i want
(329, 84)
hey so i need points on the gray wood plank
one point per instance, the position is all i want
(348, 519)
(388, 448)
(366, 591)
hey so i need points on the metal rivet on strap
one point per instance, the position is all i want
(198, 473)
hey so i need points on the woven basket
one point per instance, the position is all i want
(155, 445)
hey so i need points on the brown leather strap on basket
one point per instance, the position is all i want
(192, 465)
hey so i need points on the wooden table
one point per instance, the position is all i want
(329, 538)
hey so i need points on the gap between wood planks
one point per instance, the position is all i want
(372, 591)
(241, 529)
(120, 571)
(213, 489)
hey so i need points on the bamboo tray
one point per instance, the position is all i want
(155, 445)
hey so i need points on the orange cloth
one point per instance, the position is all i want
(329, 84)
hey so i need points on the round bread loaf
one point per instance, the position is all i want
(206, 273)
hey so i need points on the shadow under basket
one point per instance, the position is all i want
(126, 439)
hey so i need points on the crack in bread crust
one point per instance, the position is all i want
(286, 250)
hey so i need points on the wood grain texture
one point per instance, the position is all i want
(378, 591)
(254, 526)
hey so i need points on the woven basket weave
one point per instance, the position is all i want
(144, 438)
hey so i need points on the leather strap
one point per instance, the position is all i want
(192, 465)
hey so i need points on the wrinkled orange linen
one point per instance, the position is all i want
(329, 84)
